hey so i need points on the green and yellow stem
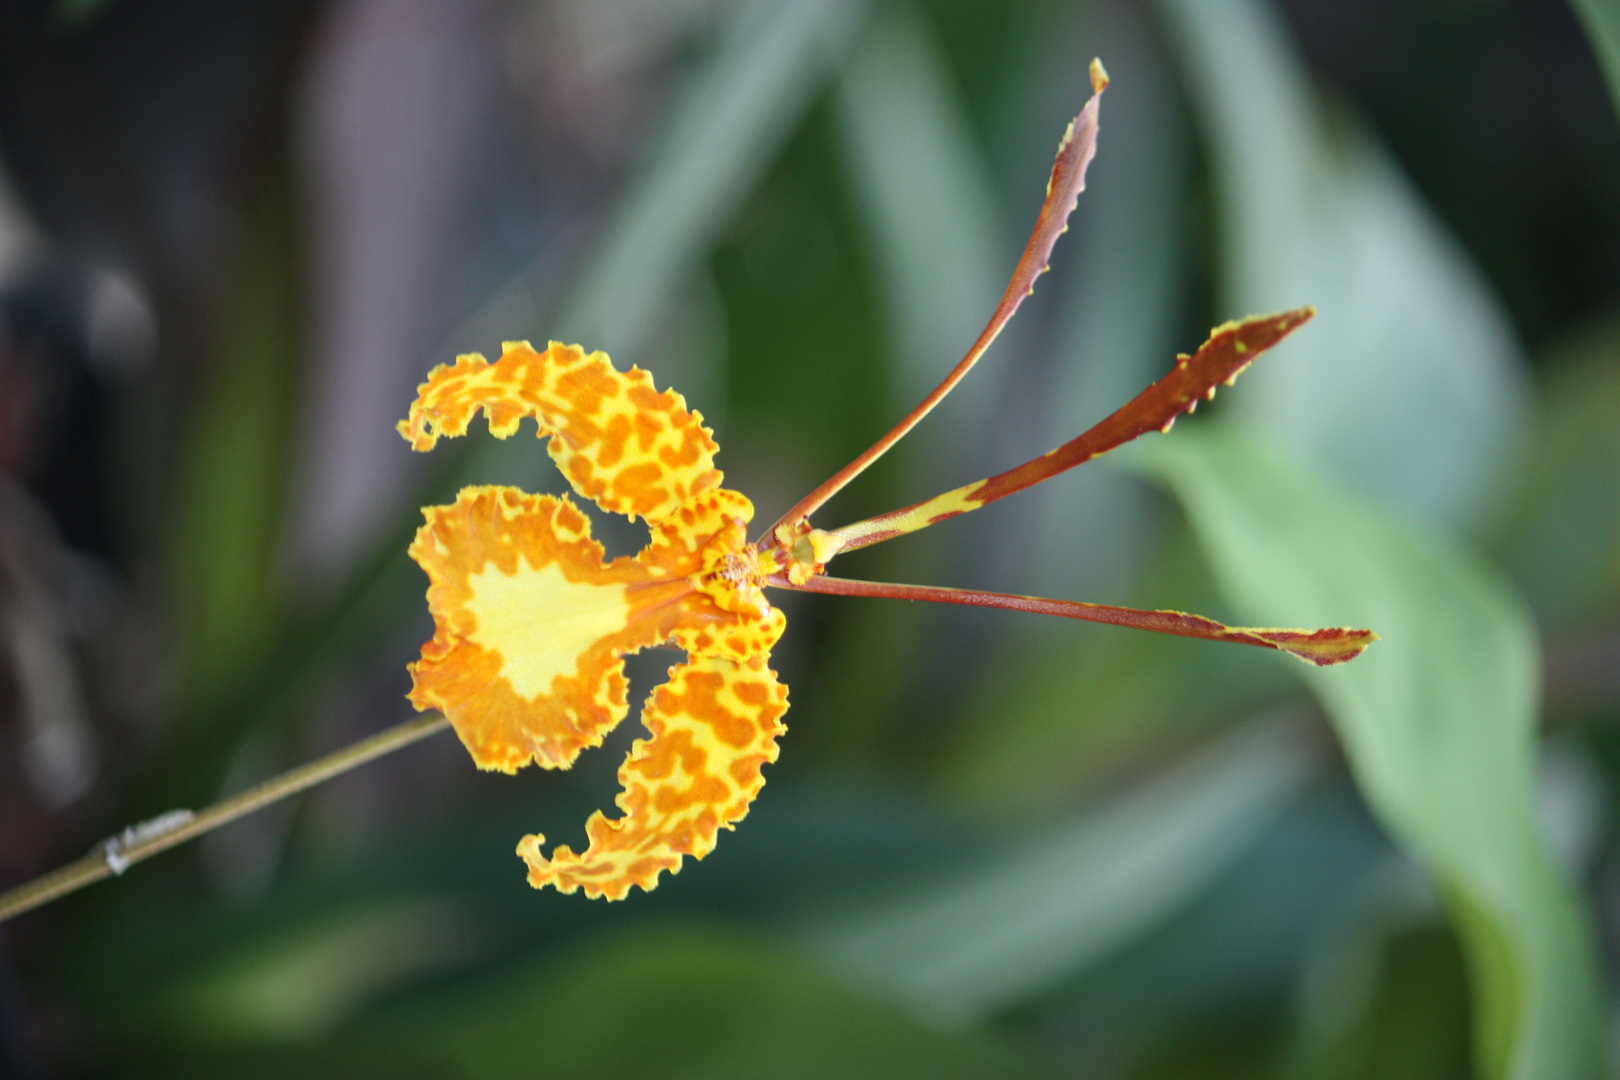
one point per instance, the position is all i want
(1230, 348)
(138, 842)
(1323, 648)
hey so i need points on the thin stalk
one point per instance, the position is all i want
(1333, 645)
(1063, 190)
(138, 842)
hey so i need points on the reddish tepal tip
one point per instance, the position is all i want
(1322, 648)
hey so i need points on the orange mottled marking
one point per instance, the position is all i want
(531, 623)
(502, 529)
(713, 725)
(676, 592)
(623, 444)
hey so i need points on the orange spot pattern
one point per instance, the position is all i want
(623, 445)
(696, 586)
(713, 725)
(503, 731)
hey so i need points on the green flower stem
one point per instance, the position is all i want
(138, 842)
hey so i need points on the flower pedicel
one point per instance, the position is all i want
(531, 624)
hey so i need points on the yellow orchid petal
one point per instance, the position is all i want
(621, 443)
(714, 521)
(706, 541)
(731, 636)
(530, 626)
(713, 725)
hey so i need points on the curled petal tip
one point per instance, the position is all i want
(1099, 76)
(621, 443)
(713, 726)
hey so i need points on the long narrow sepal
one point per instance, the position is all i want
(1230, 349)
(1323, 648)
(1063, 190)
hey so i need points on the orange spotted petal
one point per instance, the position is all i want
(706, 541)
(530, 626)
(706, 629)
(713, 725)
(621, 443)
(703, 525)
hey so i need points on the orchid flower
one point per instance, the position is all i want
(532, 623)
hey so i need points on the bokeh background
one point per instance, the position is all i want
(234, 237)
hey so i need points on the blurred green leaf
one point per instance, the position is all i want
(228, 531)
(1602, 21)
(1416, 1027)
(1409, 382)
(917, 182)
(1063, 900)
(805, 385)
(726, 131)
(1239, 956)
(70, 15)
(919, 179)
(724, 136)
(1563, 543)
(1122, 301)
(303, 983)
(1059, 705)
(1069, 705)
(1386, 994)
(1438, 720)
(682, 1001)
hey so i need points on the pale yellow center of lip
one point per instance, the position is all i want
(540, 622)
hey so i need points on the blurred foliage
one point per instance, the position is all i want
(994, 846)
(1603, 26)
(1415, 382)
(1438, 724)
(1562, 540)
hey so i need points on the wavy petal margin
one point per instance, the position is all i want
(714, 725)
(530, 626)
(621, 443)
